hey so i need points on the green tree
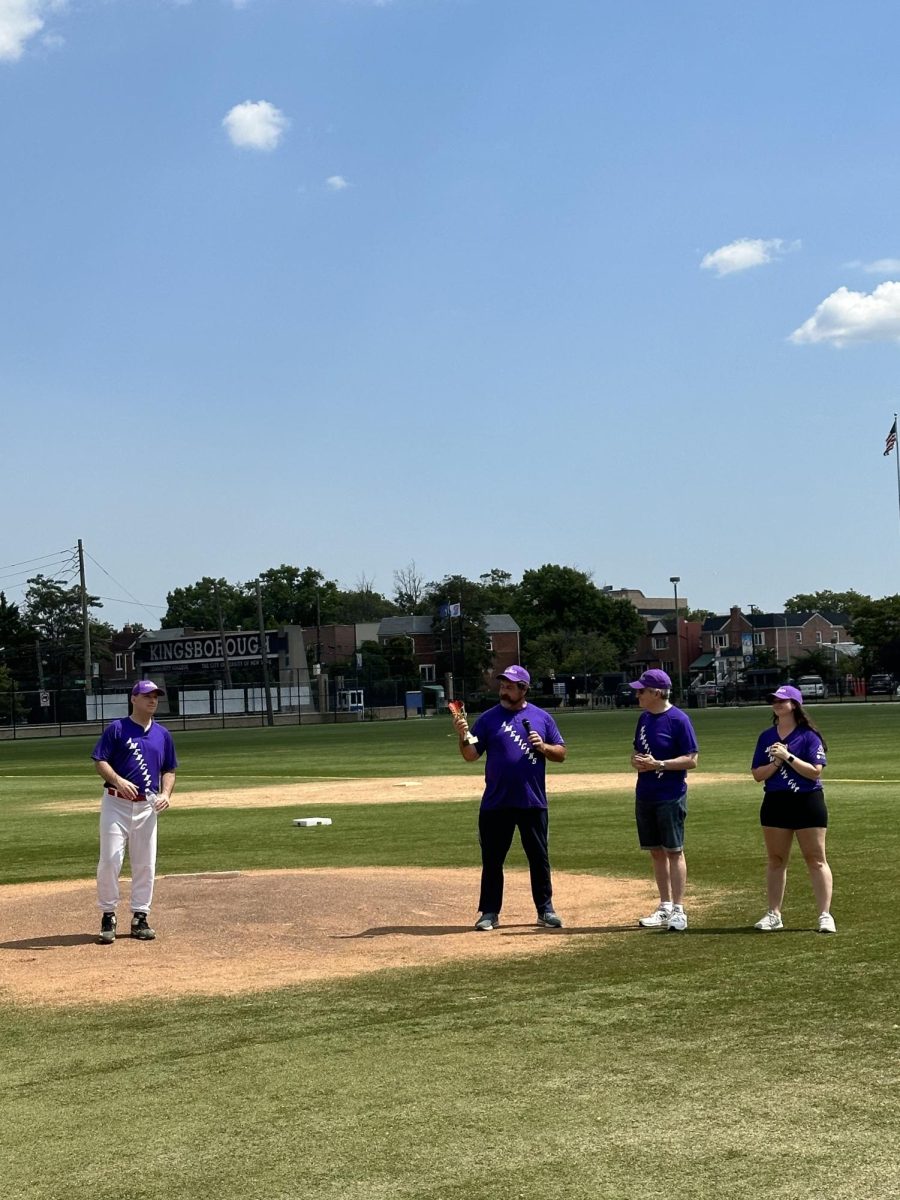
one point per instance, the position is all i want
(471, 654)
(826, 601)
(194, 606)
(400, 661)
(498, 591)
(10, 700)
(16, 642)
(555, 599)
(696, 614)
(362, 603)
(564, 653)
(814, 662)
(876, 626)
(52, 615)
(294, 597)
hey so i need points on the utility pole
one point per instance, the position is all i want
(264, 652)
(86, 625)
(225, 663)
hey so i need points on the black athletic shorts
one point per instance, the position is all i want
(794, 810)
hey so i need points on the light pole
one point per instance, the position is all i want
(834, 651)
(675, 580)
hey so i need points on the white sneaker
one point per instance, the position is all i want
(770, 922)
(677, 921)
(826, 923)
(657, 919)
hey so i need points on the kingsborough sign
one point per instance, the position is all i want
(205, 650)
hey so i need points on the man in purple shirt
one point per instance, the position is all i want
(135, 758)
(518, 739)
(665, 749)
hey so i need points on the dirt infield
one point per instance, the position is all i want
(223, 934)
(431, 789)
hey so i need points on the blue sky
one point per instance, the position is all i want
(469, 283)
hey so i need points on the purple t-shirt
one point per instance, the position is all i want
(140, 757)
(805, 744)
(513, 772)
(665, 735)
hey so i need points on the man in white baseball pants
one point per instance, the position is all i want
(136, 760)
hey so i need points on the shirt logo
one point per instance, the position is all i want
(520, 741)
(135, 749)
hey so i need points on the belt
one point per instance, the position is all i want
(134, 799)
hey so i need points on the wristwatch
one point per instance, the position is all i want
(790, 758)
(662, 764)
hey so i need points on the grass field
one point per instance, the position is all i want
(724, 1064)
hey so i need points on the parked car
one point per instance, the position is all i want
(812, 687)
(625, 695)
(881, 685)
(708, 688)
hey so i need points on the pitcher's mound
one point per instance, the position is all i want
(237, 932)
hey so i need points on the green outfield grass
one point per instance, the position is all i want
(724, 1064)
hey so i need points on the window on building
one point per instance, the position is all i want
(759, 639)
(489, 643)
(660, 643)
(799, 635)
(119, 662)
(426, 672)
(819, 637)
(720, 640)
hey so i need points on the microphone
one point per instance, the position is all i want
(526, 724)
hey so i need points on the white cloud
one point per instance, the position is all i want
(255, 125)
(847, 316)
(19, 21)
(881, 266)
(337, 183)
(745, 253)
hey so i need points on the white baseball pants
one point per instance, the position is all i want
(124, 823)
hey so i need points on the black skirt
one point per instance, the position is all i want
(794, 810)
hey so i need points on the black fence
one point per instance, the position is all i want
(54, 712)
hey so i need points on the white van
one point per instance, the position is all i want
(812, 687)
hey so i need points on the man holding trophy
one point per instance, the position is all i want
(518, 738)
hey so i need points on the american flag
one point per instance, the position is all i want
(891, 440)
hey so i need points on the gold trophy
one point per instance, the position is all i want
(458, 709)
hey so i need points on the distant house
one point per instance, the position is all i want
(649, 606)
(502, 633)
(734, 639)
(658, 646)
(119, 672)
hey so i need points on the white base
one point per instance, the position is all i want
(306, 821)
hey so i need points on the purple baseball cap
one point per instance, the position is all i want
(786, 692)
(145, 687)
(516, 674)
(653, 679)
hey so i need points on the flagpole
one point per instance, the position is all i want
(897, 463)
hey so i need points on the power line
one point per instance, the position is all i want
(58, 564)
(25, 561)
(119, 600)
(134, 599)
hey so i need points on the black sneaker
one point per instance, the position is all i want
(549, 918)
(487, 921)
(140, 928)
(107, 929)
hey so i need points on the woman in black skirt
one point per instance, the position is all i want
(789, 760)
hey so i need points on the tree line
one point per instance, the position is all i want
(568, 624)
